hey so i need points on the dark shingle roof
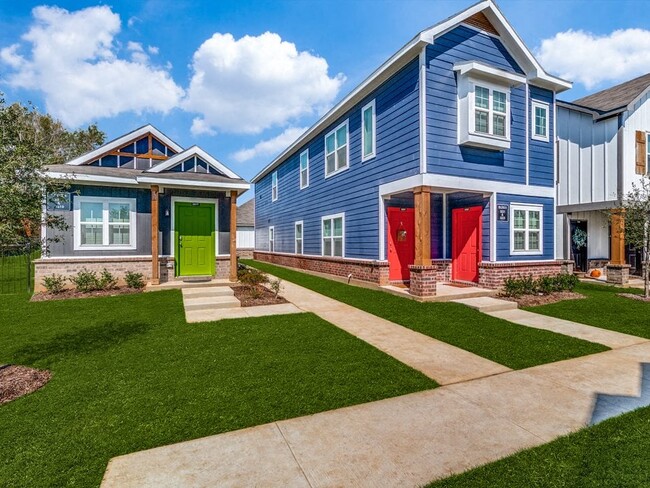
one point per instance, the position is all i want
(246, 213)
(616, 97)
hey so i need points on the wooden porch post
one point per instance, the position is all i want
(618, 238)
(233, 236)
(155, 268)
(422, 226)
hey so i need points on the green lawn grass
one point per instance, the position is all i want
(612, 454)
(603, 308)
(506, 343)
(16, 272)
(130, 374)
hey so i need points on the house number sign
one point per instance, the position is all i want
(502, 213)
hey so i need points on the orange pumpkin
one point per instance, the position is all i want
(595, 273)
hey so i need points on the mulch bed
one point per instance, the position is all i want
(634, 296)
(17, 381)
(535, 300)
(64, 295)
(264, 296)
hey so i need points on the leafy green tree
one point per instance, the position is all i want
(29, 141)
(636, 209)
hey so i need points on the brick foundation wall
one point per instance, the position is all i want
(118, 266)
(372, 271)
(492, 275)
(245, 253)
(425, 279)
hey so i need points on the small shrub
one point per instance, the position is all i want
(255, 292)
(85, 281)
(276, 286)
(106, 281)
(512, 287)
(134, 280)
(252, 277)
(546, 285)
(516, 287)
(567, 282)
(54, 284)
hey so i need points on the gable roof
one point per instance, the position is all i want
(121, 141)
(617, 98)
(475, 17)
(246, 213)
(191, 152)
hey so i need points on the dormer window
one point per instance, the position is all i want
(484, 105)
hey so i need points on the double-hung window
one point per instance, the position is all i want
(368, 131)
(298, 237)
(336, 150)
(490, 111)
(333, 233)
(304, 169)
(539, 121)
(526, 229)
(271, 239)
(274, 186)
(104, 223)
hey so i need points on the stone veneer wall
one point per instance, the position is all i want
(373, 271)
(118, 266)
(492, 275)
(618, 274)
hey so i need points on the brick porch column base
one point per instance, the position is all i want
(425, 279)
(618, 274)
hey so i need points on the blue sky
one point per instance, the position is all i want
(340, 43)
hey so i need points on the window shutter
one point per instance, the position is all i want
(641, 152)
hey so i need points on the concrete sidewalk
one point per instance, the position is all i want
(438, 360)
(404, 441)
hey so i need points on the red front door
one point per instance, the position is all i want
(401, 242)
(466, 243)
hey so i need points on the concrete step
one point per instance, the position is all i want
(205, 292)
(487, 304)
(210, 303)
(177, 284)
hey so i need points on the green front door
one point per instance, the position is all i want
(194, 235)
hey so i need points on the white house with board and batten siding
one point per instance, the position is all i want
(602, 149)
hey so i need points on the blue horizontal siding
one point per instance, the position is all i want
(540, 153)
(444, 155)
(548, 228)
(353, 191)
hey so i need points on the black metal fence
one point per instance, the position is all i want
(16, 269)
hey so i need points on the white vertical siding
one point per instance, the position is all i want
(636, 119)
(245, 237)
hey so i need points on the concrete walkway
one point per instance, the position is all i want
(404, 441)
(438, 360)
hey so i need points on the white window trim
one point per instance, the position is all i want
(373, 153)
(347, 149)
(272, 241)
(194, 200)
(322, 221)
(543, 105)
(526, 207)
(274, 186)
(295, 238)
(105, 201)
(647, 151)
(472, 109)
(302, 187)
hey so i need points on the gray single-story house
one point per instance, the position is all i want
(143, 203)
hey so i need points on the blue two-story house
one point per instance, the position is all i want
(439, 167)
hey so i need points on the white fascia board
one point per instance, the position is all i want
(189, 153)
(395, 63)
(120, 141)
(184, 184)
(445, 184)
(86, 178)
(476, 68)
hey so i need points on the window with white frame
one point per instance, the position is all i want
(274, 186)
(539, 120)
(271, 239)
(368, 131)
(526, 229)
(298, 237)
(336, 150)
(491, 110)
(333, 232)
(304, 169)
(104, 223)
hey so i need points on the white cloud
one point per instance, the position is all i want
(74, 62)
(253, 83)
(591, 59)
(270, 147)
